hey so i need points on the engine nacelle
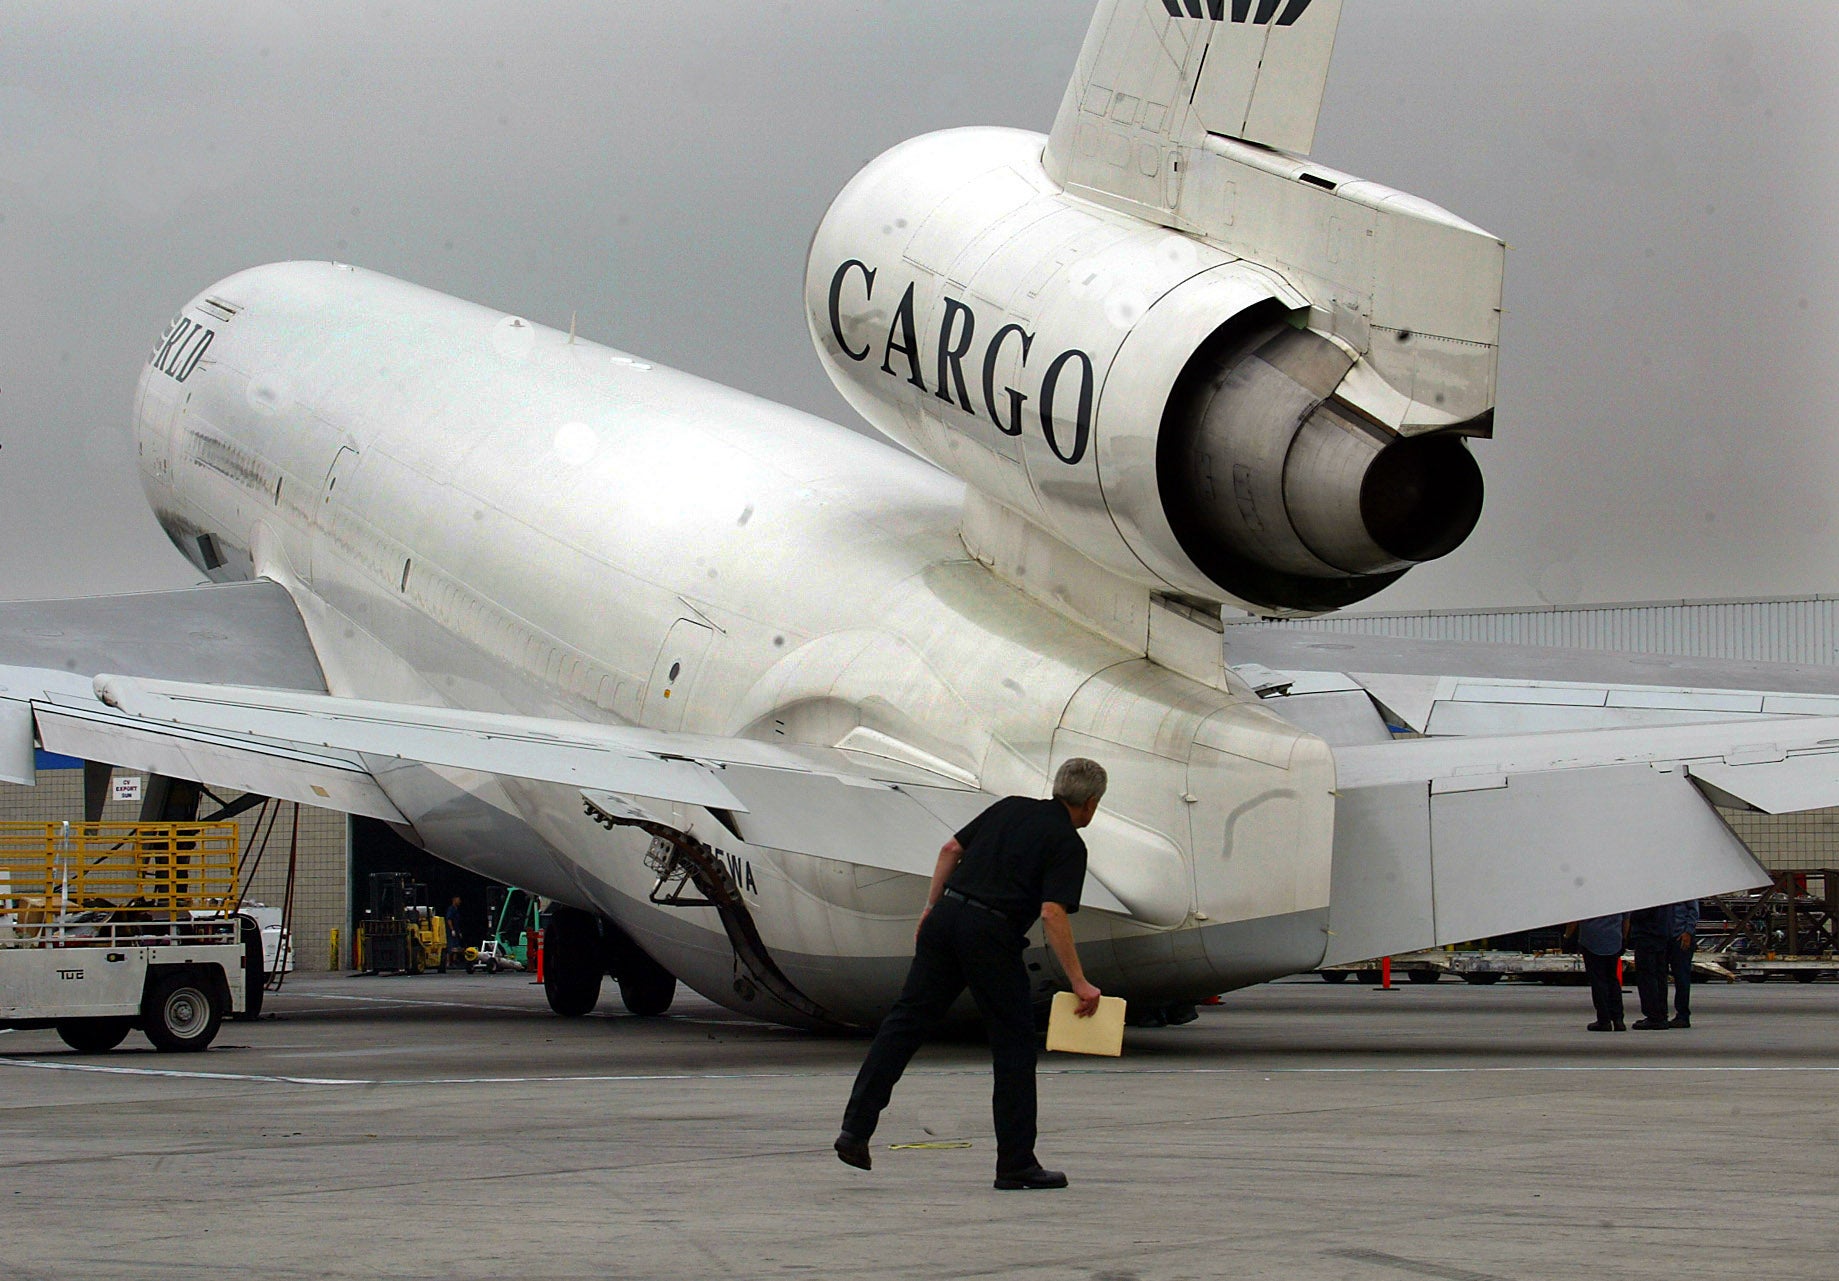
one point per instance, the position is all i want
(1188, 418)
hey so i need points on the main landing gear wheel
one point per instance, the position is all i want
(1335, 976)
(646, 988)
(94, 1036)
(572, 965)
(182, 1012)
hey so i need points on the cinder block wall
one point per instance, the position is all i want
(1806, 842)
(321, 879)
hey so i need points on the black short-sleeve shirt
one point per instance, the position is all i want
(1019, 854)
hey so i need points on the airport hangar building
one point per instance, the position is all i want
(332, 856)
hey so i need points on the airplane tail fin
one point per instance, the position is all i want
(1157, 76)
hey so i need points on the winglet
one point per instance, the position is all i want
(1157, 76)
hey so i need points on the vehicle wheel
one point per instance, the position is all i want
(182, 1011)
(1806, 976)
(1423, 976)
(1482, 978)
(572, 966)
(1368, 976)
(94, 1036)
(1335, 976)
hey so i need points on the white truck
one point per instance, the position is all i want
(108, 927)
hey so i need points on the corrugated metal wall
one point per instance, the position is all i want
(1799, 629)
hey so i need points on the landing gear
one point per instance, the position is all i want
(645, 987)
(579, 948)
(572, 963)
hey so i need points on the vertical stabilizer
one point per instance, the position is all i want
(1157, 76)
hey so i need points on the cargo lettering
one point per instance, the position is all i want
(956, 342)
(181, 347)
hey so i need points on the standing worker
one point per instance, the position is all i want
(1647, 936)
(1601, 939)
(1663, 941)
(1019, 859)
(456, 949)
(1682, 923)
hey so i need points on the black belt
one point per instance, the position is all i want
(977, 903)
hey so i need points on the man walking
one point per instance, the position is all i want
(1019, 859)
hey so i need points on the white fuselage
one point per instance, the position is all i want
(474, 511)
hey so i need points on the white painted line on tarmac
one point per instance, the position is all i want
(641, 1077)
(401, 1000)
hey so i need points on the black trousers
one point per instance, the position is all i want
(1655, 961)
(1679, 961)
(960, 946)
(1605, 987)
(1651, 977)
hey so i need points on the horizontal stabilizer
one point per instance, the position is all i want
(1418, 865)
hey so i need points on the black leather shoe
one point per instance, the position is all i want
(1030, 1179)
(1650, 1025)
(1684, 1020)
(852, 1151)
(1599, 1026)
(1621, 1026)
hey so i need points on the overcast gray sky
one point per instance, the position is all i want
(1663, 169)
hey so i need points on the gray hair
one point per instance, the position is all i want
(1078, 781)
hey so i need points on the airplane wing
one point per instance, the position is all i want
(1157, 76)
(1355, 688)
(333, 752)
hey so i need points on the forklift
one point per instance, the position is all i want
(401, 933)
(511, 942)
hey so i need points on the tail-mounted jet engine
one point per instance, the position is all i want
(1186, 416)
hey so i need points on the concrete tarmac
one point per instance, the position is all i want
(450, 1127)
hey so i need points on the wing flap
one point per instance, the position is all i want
(248, 766)
(636, 763)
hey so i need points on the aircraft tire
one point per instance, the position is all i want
(1335, 976)
(645, 987)
(572, 965)
(648, 989)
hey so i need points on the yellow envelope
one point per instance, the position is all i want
(1103, 1033)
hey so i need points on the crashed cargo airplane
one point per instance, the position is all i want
(720, 678)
